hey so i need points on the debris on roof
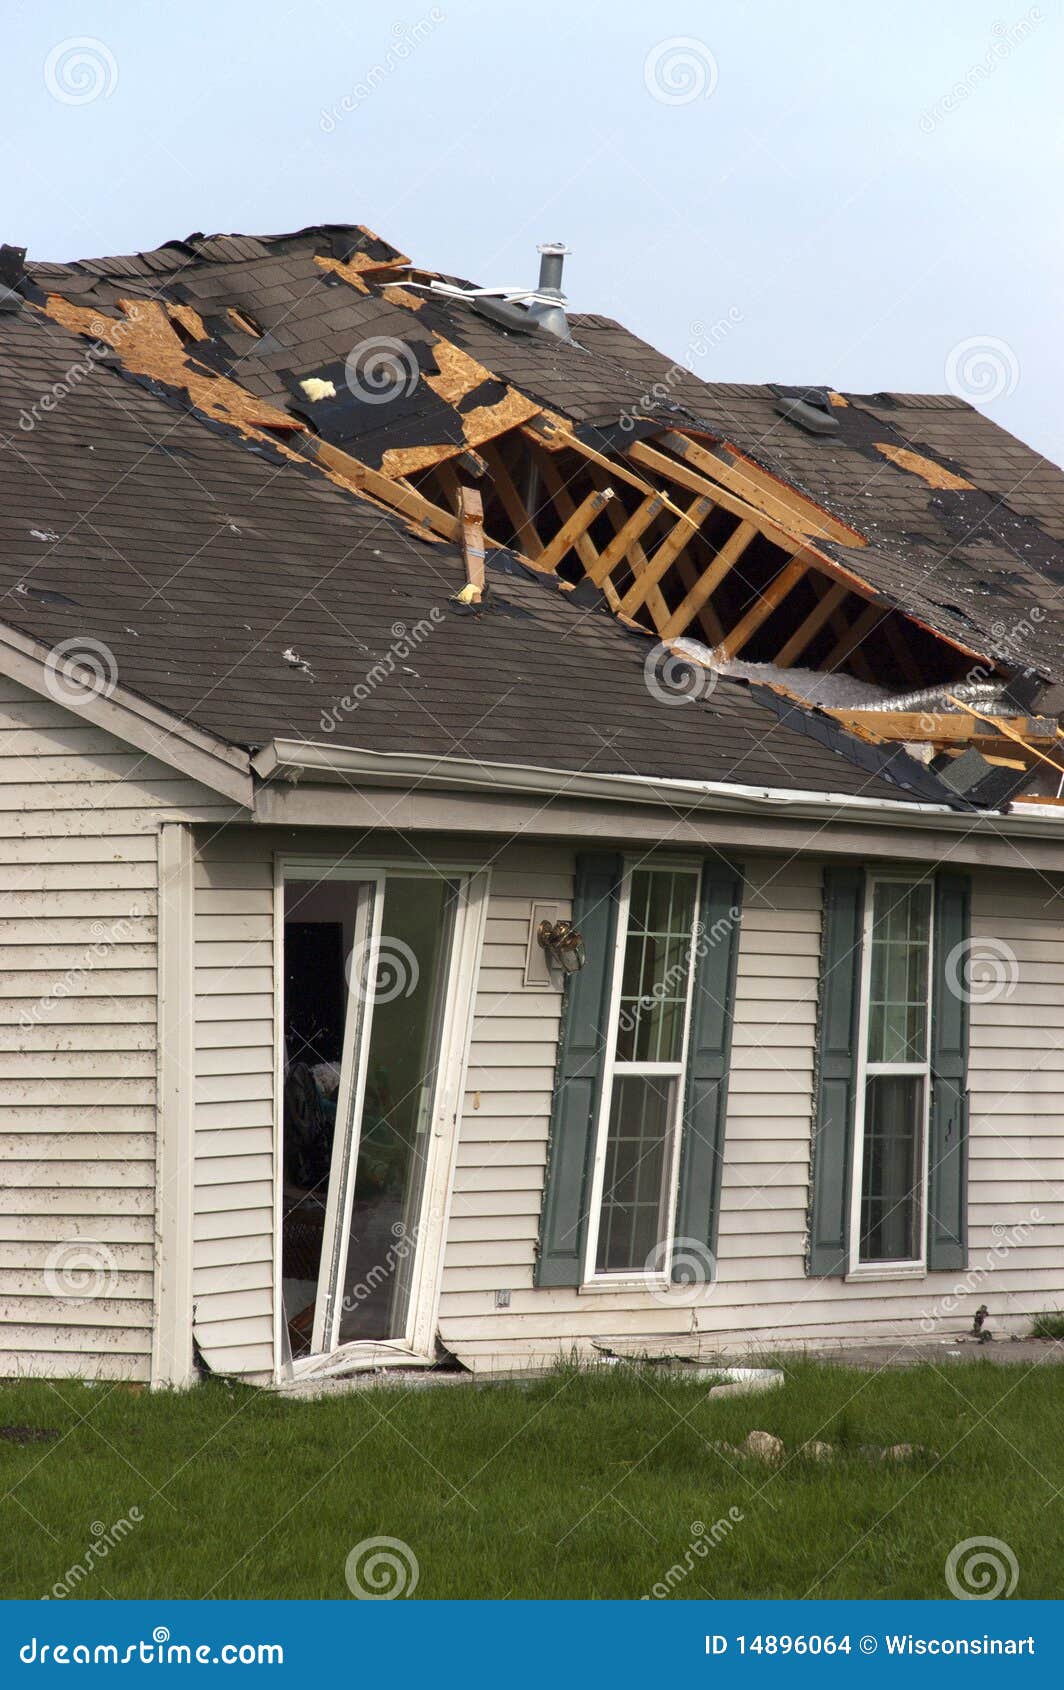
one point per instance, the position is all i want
(840, 551)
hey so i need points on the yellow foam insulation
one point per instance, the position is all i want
(837, 398)
(936, 475)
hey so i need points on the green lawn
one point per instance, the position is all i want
(578, 1485)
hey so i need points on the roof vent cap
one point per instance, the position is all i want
(548, 306)
(808, 408)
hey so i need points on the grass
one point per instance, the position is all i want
(577, 1485)
(1048, 1324)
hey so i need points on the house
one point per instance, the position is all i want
(508, 848)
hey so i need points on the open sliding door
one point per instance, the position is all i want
(379, 967)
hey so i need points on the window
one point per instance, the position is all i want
(894, 1078)
(636, 1163)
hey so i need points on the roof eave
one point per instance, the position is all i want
(292, 760)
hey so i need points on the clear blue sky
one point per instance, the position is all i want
(855, 191)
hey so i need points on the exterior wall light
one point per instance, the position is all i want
(563, 944)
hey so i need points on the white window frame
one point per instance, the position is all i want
(917, 1267)
(417, 1343)
(594, 1281)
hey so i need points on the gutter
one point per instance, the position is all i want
(295, 760)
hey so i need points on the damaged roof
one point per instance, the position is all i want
(219, 491)
(253, 598)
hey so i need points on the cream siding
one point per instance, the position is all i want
(79, 820)
(763, 1297)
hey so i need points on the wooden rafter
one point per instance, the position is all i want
(854, 633)
(472, 513)
(402, 498)
(807, 631)
(763, 607)
(939, 728)
(708, 582)
(778, 501)
(673, 543)
(517, 513)
(564, 506)
(616, 551)
(570, 531)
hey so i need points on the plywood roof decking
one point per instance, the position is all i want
(901, 508)
(969, 562)
(199, 558)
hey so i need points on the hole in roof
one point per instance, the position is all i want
(244, 321)
(43, 595)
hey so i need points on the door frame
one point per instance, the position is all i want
(416, 1347)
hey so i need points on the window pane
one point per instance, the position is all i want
(656, 968)
(897, 1007)
(632, 1221)
(893, 1132)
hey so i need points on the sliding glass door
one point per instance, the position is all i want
(369, 998)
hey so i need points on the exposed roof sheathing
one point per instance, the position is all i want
(314, 354)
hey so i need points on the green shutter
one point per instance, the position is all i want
(578, 1081)
(836, 1087)
(947, 1205)
(706, 1096)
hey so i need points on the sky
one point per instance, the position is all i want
(852, 195)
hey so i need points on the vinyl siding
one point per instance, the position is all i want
(79, 819)
(233, 1231)
(763, 1297)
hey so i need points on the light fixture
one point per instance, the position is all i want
(563, 944)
